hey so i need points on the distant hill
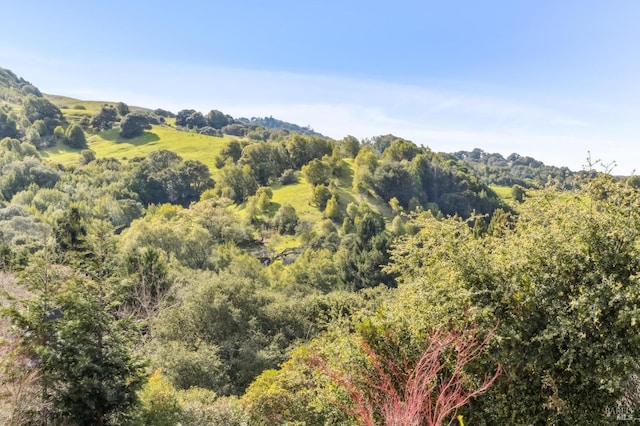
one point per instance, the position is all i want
(490, 168)
(516, 169)
(13, 88)
(274, 123)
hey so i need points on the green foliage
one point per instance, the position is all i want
(520, 170)
(332, 210)
(266, 160)
(71, 233)
(21, 172)
(285, 220)
(195, 120)
(59, 133)
(400, 150)
(231, 151)
(105, 119)
(122, 108)
(36, 108)
(321, 194)
(518, 193)
(147, 282)
(75, 137)
(159, 403)
(317, 172)
(226, 354)
(562, 287)
(82, 350)
(8, 127)
(217, 119)
(264, 195)
(201, 407)
(236, 182)
(133, 124)
(183, 115)
(87, 156)
(288, 177)
(349, 146)
(163, 177)
(302, 149)
(394, 180)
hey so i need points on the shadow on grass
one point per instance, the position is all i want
(58, 149)
(113, 135)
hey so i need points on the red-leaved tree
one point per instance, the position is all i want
(399, 390)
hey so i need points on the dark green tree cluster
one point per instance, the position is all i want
(274, 123)
(8, 128)
(105, 119)
(41, 117)
(22, 167)
(75, 137)
(193, 119)
(163, 177)
(79, 345)
(520, 170)
(133, 124)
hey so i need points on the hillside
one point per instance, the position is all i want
(14, 89)
(191, 268)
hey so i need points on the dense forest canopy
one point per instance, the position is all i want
(191, 268)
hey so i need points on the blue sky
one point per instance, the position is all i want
(550, 79)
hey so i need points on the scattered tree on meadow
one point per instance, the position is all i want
(133, 124)
(75, 137)
(105, 119)
(122, 108)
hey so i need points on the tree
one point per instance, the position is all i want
(195, 120)
(237, 342)
(393, 179)
(285, 219)
(349, 146)
(399, 150)
(105, 119)
(75, 137)
(71, 233)
(321, 195)
(264, 194)
(332, 210)
(561, 281)
(399, 390)
(236, 182)
(133, 124)
(317, 172)
(59, 133)
(183, 115)
(88, 374)
(163, 177)
(217, 119)
(122, 108)
(267, 160)
(7, 127)
(148, 282)
(518, 193)
(35, 108)
(231, 151)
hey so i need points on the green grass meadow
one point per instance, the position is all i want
(190, 146)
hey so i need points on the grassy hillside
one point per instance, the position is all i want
(195, 146)
(190, 146)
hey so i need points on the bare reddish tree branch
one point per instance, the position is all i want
(400, 391)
